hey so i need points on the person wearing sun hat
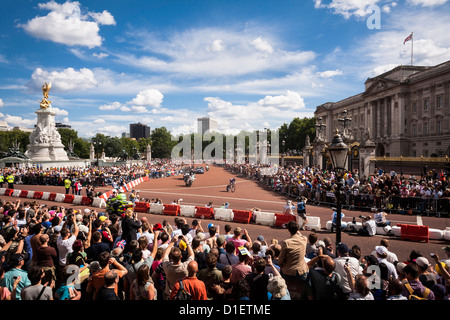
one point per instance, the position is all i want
(427, 277)
(382, 253)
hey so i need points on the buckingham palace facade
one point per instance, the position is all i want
(404, 112)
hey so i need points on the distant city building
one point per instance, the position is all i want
(404, 112)
(62, 125)
(125, 134)
(204, 124)
(139, 130)
(23, 129)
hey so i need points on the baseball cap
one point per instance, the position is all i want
(381, 250)
(16, 259)
(342, 248)
(422, 262)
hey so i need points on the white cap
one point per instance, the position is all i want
(381, 250)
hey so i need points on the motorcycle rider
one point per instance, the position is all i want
(118, 202)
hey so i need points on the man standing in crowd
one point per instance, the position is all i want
(196, 288)
(173, 268)
(292, 262)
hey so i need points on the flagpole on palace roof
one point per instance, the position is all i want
(412, 47)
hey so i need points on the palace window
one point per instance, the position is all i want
(425, 104)
(438, 102)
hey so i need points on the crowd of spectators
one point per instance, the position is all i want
(58, 254)
(93, 175)
(389, 191)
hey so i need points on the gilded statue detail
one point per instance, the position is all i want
(44, 102)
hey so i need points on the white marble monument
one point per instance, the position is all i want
(45, 140)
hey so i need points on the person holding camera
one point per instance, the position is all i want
(369, 227)
(173, 267)
(66, 238)
(130, 227)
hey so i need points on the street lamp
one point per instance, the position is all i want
(338, 154)
(97, 144)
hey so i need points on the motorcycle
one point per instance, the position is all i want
(189, 181)
(118, 206)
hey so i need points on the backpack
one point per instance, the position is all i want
(413, 296)
(182, 294)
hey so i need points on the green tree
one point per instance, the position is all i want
(162, 143)
(114, 147)
(80, 146)
(294, 134)
(8, 138)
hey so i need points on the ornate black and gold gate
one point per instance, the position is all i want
(353, 157)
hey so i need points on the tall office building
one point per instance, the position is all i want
(204, 124)
(139, 130)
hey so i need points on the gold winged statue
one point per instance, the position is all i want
(45, 89)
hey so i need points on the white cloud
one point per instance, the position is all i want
(356, 8)
(113, 106)
(149, 97)
(330, 73)
(65, 80)
(104, 18)
(138, 109)
(262, 45)
(291, 100)
(1, 103)
(217, 46)
(269, 111)
(99, 121)
(16, 121)
(183, 129)
(60, 112)
(427, 3)
(100, 55)
(112, 130)
(66, 25)
(202, 53)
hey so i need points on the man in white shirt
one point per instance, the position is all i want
(340, 262)
(391, 256)
(369, 227)
(66, 239)
(382, 253)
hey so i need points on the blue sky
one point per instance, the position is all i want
(247, 64)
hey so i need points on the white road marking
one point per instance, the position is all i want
(210, 196)
(419, 220)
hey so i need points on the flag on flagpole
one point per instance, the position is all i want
(408, 38)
